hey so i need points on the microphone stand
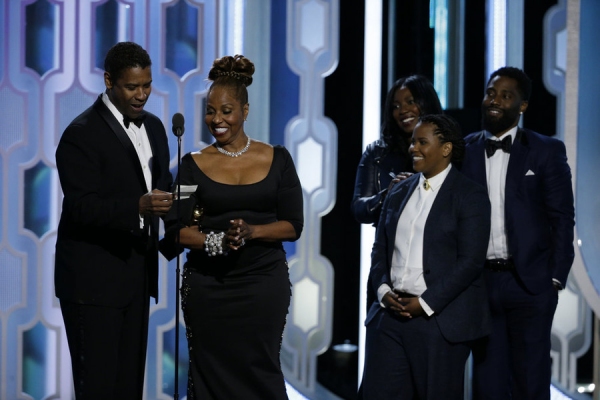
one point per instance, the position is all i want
(178, 129)
(177, 271)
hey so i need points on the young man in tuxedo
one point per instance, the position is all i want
(113, 164)
(530, 250)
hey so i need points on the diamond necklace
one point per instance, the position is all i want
(237, 153)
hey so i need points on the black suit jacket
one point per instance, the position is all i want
(455, 242)
(539, 211)
(101, 249)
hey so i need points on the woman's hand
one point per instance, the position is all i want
(411, 307)
(238, 233)
(407, 307)
(398, 178)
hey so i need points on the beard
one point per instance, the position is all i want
(495, 125)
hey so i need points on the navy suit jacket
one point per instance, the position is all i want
(455, 241)
(101, 251)
(539, 212)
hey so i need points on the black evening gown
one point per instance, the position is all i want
(235, 305)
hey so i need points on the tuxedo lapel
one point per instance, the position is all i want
(476, 162)
(397, 204)
(152, 135)
(440, 204)
(401, 198)
(118, 130)
(516, 165)
(439, 211)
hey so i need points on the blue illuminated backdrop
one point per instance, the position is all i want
(51, 68)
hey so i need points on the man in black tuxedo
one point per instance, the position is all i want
(530, 251)
(113, 164)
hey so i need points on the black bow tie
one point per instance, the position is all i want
(137, 121)
(492, 145)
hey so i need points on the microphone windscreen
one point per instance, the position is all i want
(178, 123)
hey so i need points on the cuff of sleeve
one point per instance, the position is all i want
(383, 289)
(557, 284)
(426, 307)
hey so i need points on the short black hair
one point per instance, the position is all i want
(124, 55)
(523, 81)
(448, 131)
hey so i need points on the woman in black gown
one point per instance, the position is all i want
(236, 289)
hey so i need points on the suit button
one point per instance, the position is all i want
(427, 271)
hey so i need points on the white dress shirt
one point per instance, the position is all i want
(407, 258)
(495, 167)
(141, 143)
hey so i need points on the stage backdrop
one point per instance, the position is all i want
(51, 56)
(51, 69)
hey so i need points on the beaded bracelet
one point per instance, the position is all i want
(213, 244)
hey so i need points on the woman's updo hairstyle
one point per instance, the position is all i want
(232, 72)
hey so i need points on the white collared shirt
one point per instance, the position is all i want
(496, 167)
(407, 258)
(141, 143)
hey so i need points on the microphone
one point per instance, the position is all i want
(178, 122)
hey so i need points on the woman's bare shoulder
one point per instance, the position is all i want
(262, 151)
